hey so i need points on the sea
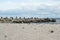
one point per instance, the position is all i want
(57, 20)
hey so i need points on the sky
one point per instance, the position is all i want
(30, 8)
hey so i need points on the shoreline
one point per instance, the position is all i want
(30, 23)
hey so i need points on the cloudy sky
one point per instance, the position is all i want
(30, 8)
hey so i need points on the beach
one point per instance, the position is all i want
(33, 31)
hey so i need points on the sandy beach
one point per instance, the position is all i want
(29, 31)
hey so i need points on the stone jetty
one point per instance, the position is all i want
(25, 20)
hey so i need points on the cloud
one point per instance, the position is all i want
(56, 0)
(39, 9)
(23, 5)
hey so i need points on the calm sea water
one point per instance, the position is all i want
(57, 20)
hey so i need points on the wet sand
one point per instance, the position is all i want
(29, 31)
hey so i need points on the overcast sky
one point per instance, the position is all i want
(37, 8)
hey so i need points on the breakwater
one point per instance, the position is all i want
(25, 20)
